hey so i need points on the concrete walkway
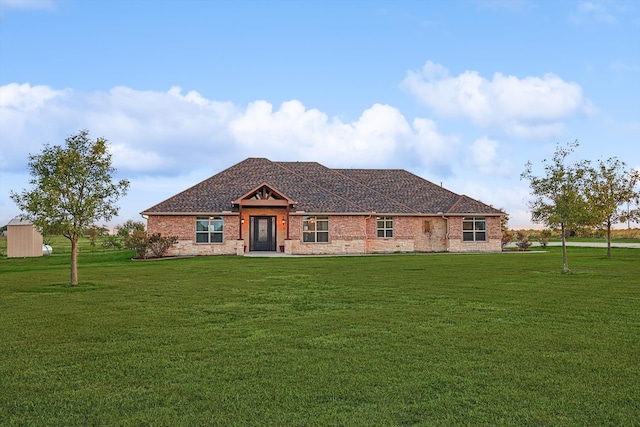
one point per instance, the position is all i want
(267, 254)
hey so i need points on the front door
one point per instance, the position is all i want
(263, 233)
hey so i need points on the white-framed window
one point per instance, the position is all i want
(474, 229)
(209, 229)
(315, 229)
(385, 226)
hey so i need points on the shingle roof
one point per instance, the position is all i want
(316, 188)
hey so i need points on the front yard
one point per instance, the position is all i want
(373, 340)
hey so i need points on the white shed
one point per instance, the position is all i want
(23, 239)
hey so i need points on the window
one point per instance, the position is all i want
(209, 229)
(385, 226)
(315, 229)
(474, 229)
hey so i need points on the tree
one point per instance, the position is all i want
(507, 235)
(559, 195)
(610, 188)
(129, 227)
(72, 188)
(93, 236)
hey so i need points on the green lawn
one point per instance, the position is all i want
(437, 339)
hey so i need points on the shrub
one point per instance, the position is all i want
(523, 240)
(544, 237)
(112, 242)
(155, 244)
(138, 241)
(159, 245)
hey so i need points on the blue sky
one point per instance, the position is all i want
(462, 93)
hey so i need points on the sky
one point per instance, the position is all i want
(461, 93)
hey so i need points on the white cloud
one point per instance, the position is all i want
(157, 135)
(483, 155)
(24, 97)
(434, 149)
(529, 107)
(293, 132)
(160, 132)
(167, 133)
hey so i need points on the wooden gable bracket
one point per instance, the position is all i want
(264, 195)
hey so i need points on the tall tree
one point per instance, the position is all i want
(72, 189)
(559, 201)
(610, 187)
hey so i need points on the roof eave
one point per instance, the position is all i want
(187, 213)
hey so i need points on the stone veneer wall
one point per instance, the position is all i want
(492, 244)
(433, 237)
(348, 234)
(184, 227)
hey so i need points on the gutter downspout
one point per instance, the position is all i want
(446, 235)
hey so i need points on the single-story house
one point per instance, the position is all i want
(307, 208)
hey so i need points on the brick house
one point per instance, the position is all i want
(307, 208)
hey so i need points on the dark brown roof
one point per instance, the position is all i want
(318, 189)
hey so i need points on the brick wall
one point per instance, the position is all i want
(347, 234)
(358, 234)
(492, 244)
(184, 227)
(431, 237)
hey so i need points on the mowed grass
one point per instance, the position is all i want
(374, 340)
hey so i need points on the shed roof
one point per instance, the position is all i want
(20, 220)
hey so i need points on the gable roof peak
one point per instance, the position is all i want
(262, 194)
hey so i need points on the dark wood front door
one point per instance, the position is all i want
(263, 233)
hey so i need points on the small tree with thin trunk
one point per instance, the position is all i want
(544, 237)
(507, 235)
(72, 189)
(559, 200)
(610, 188)
(523, 243)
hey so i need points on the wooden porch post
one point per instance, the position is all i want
(240, 220)
(288, 221)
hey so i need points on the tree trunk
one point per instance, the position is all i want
(608, 239)
(565, 265)
(74, 260)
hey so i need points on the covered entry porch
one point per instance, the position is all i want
(264, 220)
